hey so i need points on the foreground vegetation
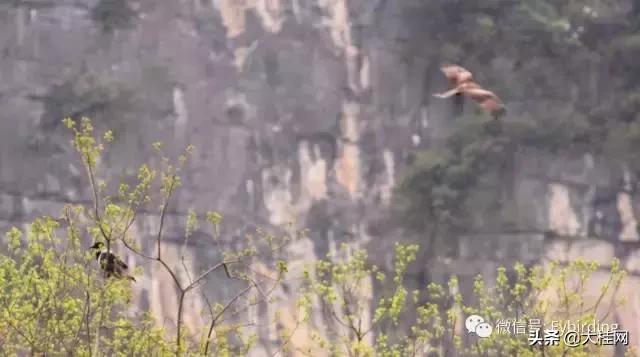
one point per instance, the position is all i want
(567, 70)
(55, 300)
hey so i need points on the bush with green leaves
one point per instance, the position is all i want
(436, 313)
(566, 73)
(56, 303)
(445, 188)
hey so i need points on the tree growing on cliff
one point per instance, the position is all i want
(568, 73)
(112, 15)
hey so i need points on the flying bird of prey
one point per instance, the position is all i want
(457, 76)
(110, 263)
(462, 82)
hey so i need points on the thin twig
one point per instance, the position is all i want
(214, 319)
(96, 202)
(163, 213)
(84, 314)
(288, 339)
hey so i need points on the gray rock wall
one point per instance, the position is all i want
(299, 111)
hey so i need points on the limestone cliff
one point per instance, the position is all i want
(300, 111)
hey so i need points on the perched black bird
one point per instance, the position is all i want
(110, 263)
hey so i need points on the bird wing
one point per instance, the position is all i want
(491, 105)
(480, 95)
(456, 74)
(465, 88)
(121, 264)
(110, 258)
(448, 93)
(487, 100)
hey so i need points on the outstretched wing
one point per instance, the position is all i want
(480, 95)
(486, 99)
(456, 74)
(448, 93)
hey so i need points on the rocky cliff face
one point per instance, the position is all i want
(300, 111)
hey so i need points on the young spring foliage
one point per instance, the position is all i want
(416, 322)
(57, 302)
